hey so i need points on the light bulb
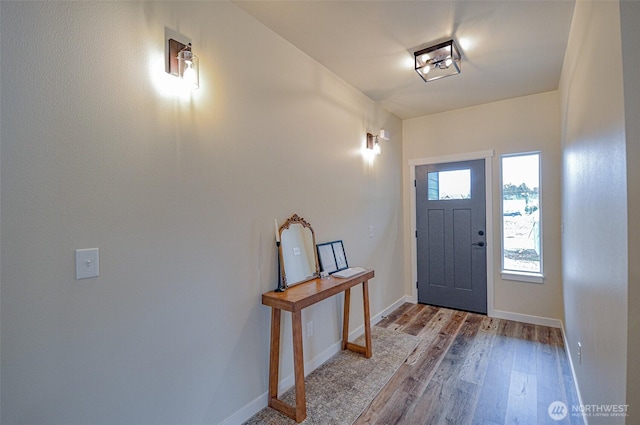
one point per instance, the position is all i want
(189, 75)
(188, 68)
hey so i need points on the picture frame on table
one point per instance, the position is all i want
(341, 258)
(332, 257)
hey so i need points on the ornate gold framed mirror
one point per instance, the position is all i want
(297, 251)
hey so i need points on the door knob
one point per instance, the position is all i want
(478, 244)
(481, 232)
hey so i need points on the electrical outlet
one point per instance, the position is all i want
(309, 329)
(579, 352)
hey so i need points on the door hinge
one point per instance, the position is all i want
(416, 284)
(415, 184)
(416, 233)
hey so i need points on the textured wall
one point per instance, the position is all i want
(180, 195)
(594, 205)
(630, 16)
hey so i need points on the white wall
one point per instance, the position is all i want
(594, 205)
(180, 197)
(523, 124)
(629, 17)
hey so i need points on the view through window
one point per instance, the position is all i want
(521, 236)
(454, 184)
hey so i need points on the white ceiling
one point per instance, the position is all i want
(509, 48)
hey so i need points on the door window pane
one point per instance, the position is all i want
(446, 185)
(521, 236)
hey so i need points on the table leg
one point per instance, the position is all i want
(345, 320)
(346, 345)
(274, 356)
(367, 319)
(298, 366)
(299, 411)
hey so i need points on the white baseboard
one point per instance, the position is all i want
(526, 318)
(247, 411)
(573, 373)
(260, 402)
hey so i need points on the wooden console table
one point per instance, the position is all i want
(294, 299)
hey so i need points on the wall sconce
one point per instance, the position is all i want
(373, 144)
(182, 63)
(439, 61)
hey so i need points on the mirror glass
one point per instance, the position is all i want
(298, 257)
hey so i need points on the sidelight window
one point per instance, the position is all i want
(521, 217)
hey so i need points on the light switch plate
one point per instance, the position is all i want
(87, 263)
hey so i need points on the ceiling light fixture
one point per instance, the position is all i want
(439, 61)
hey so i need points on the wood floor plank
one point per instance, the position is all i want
(414, 390)
(524, 356)
(555, 378)
(406, 317)
(393, 316)
(494, 393)
(429, 333)
(391, 404)
(438, 397)
(556, 337)
(483, 422)
(490, 324)
(550, 385)
(543, 334)
(528, 332)
(431, 358)
(475, 365)
(462, 404)
(522, 405)
(469, 369)
(415, 326)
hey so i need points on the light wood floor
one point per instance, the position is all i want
(471, 369)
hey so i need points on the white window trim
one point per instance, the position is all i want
(517, 275)
(522, 276)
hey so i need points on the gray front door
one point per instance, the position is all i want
(451, 240)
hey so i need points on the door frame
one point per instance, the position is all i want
(413, 163)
